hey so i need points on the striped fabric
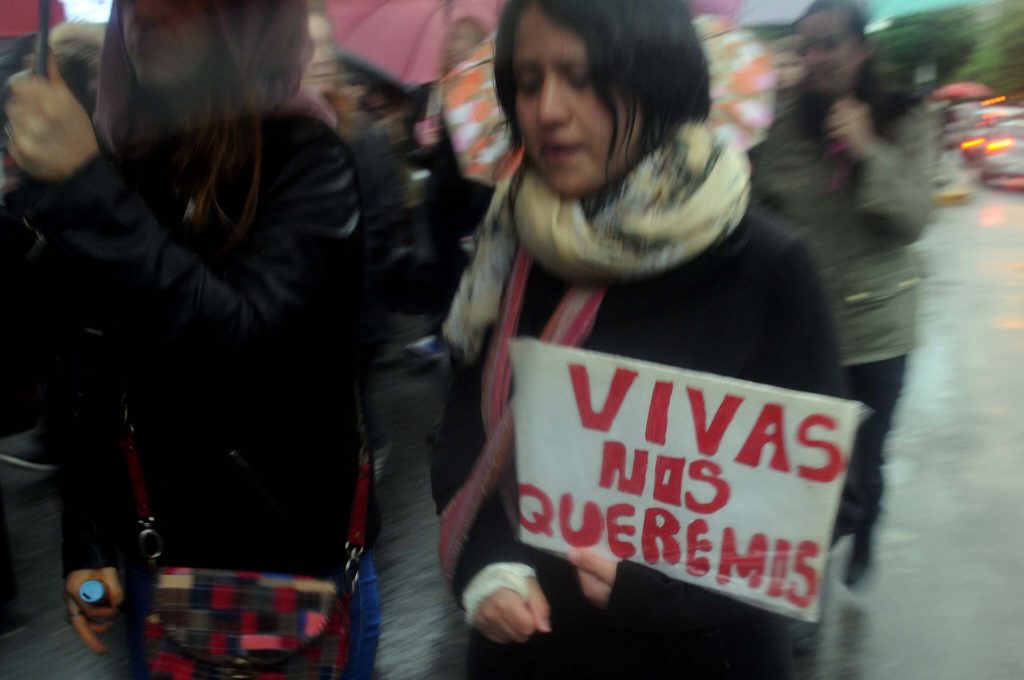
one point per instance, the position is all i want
(570, 325)
(212, 624)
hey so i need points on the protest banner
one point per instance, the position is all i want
(722, 483)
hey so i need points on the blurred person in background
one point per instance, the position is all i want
(379, 170)
(455, 205)
(204, 255)
(468, 29)
(627, 219)
(849, 167)
(78, 47)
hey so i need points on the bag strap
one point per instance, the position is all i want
(357, 519)
(151, 543)
(569, 326)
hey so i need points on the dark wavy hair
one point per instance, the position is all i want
(886, 107)
(644, 53)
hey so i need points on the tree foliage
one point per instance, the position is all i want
(978, 43)
(945, 39)
(998, 59)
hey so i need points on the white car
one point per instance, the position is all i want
(1004, 152)
(975, 128)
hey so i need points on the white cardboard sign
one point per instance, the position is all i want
(722, 483)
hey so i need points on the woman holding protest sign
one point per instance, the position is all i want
(626, 232)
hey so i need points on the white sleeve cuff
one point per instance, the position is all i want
(512, 575)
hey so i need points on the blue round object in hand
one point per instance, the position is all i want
(92, 591)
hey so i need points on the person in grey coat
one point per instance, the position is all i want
(849, 168)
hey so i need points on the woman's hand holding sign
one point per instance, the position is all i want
(597, 576)
(506, 617)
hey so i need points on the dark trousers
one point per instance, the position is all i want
(7, 591)
(878, 385)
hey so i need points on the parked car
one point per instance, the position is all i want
(1004, 152)
(976, 129)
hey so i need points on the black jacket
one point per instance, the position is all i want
(752, 309)
(380, 187)
(252, 352)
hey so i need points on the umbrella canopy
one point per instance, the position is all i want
(770, 12)
(963, 90)
(405, 37)
(724, 8)
(21, 17)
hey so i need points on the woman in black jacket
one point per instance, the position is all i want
(209, 272)
(624, 193)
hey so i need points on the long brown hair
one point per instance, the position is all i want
(219, 153)
(222, 147)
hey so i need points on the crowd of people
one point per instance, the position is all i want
(210, 210)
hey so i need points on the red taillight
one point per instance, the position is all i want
(999, 146)
(971, 143)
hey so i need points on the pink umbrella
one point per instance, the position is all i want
(725, 8)
(21, 17)
(963, 90)
(774, 12)
(753, 12)
(405, 37)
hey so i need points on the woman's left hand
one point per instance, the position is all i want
(51, 136)
(850, 121)
(597, 576)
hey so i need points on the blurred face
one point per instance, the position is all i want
(323, 73)
(790, 68)
(832, 57)
(463, 39)
(566, 129)
(168, 41)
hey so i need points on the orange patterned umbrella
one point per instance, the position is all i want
(475, 122)
(743, 81)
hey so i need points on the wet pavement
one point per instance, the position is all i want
(946, 602)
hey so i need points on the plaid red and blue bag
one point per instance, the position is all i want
(215, 624)
(212, 624)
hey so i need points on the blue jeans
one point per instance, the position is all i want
(364, 614)
(365, 617)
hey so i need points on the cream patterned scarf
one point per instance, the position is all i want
(676, 203)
